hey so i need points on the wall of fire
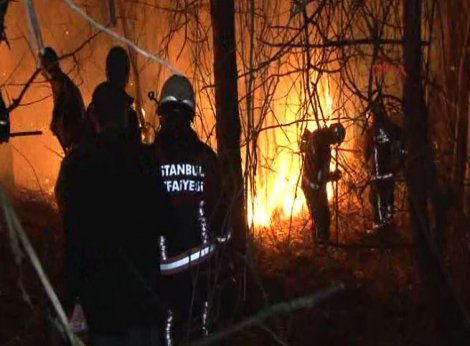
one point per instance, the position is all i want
(289, 75)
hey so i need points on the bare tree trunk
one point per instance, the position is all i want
(451, 315)
(450, 56)
(457, 88)
(228, 127)
(6, 158)
(6, 155)
(419, 147)
(3, 12)
(415, 118)
(462, 122)
(128, 27)
(6, 168)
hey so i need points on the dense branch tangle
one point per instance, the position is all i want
(302, 64)
(312, 65)
(307, 63)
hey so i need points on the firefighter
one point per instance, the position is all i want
(190, 172)
(68, 123)
(117, 76)
(383, 154)
(112, 194)
(316, 152)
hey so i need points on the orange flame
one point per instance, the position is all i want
(278, 188)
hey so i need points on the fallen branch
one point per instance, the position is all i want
(280, 308)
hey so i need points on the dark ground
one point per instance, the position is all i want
(385, 302)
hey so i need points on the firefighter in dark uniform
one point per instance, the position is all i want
(190, 172)
(316, 151)
(69, 123)
(117, 76)
(112, 194)
(383, 154)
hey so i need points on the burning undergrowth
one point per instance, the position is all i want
(384, 303)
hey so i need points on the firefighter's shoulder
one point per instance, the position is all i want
(209, 158)
(207, 150)
(208, 153)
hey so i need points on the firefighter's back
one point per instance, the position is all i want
(112, 195)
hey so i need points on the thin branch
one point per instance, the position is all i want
(17, 101)
(280, 308)
(342, 43)
(16, 228)
(118, 37)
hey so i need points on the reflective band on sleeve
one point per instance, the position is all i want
(312, 185)
(173, 265)
(203, 223)
(205, 319)
(225, 238)
(168, 328)
(379, 177)
(163, 255)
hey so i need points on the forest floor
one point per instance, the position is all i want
(385, 302)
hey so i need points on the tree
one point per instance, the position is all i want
(228, 127)
(3, 11)
(452, 88)
(449, 309)
(6, 171)
(457, 20)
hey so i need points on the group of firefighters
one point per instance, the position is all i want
(383, 155)
(132, 210)
(142, 222)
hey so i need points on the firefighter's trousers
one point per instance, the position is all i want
(317, 201)
(187, 294)
(382, 199)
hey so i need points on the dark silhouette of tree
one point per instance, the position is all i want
(228, 127)
(3, 12)
(458, 87)
(421, 179)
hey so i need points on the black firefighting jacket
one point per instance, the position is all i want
(316, 160)
(383, 150)
(68, 122)
(112, 195)
(191, 176)
(103, 122)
